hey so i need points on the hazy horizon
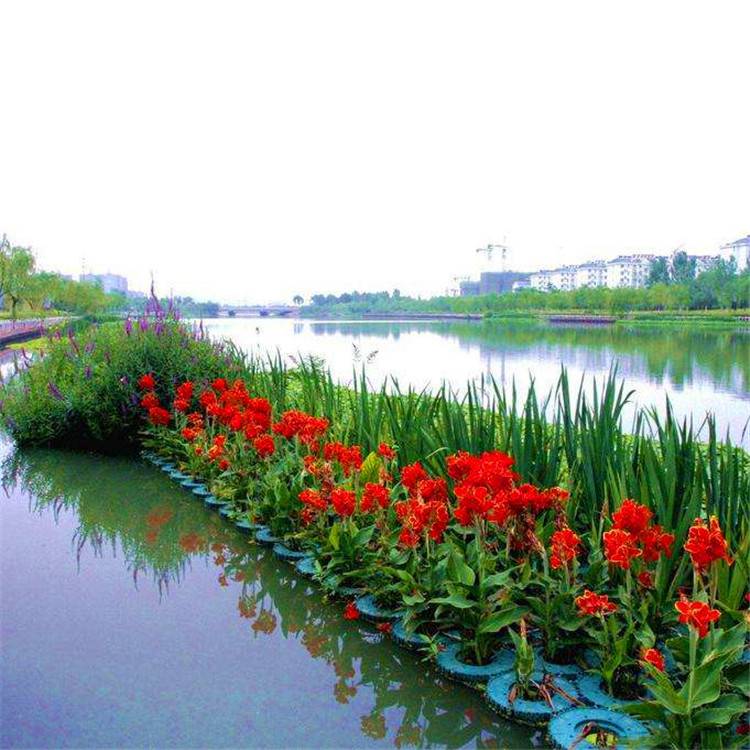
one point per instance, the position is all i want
(255, 152)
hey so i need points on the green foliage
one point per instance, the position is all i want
(720, 287)
(82, 391)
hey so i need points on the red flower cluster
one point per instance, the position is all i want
(183, 396)
(697, 615)
(590, 603)
(351, 612)
(426, 508)
(386, 451)
(264, 446)
(349, 457)
(373, 496)
(633, 536)
(481, 485)
(344, 502)
(706, 544)
(147, 382)
(565, 543)
(158, 416)
(653, 657)
(306, 428)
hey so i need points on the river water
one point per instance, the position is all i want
(700, 370)
(132, 616)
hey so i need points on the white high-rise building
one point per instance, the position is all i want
(740, 251)
(109, 282)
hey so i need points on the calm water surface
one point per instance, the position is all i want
(131, 616)
(700, 370)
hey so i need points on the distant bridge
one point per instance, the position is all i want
(258, 311)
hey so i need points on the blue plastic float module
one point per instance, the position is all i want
(247, 526)
(264, 536)
(449, 663)
(565, 728)
(372, 611)
(213, 501)
(201, 491)
(572, 671)
(406, 638)
(306, 566)
(191, 484)
(290, 555)
(591, 688)
(524, 710)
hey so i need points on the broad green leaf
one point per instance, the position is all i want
(665, 694)
(501, 619)
(459, 601)
(496, 580)
(334, 536)
(720, 713)
(458, 570)
(363, 536)
(370, 471)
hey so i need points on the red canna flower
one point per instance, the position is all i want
(411, 475)
(646, 579)
(656, 541)
(632, 517)
(590, 603)
(150, 400)
(343, 501)
(147, 382)
(373, 496)
(223, 464)
(385, 627)
(180, 404)
(653, 657)
(696, 614)
(264, 445)
(706, 544)
(620, 548)
(219, 385)
(158, 416)
(351, 612)
(565, 543)
(386, 451)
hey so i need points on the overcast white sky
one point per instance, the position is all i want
(255, 150)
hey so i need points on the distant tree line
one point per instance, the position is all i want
(670, 287)
(26, 290)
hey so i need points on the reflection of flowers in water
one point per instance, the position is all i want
(373, 726)
(343, 692)
(266, 623)
(191, 542)
(408, 735)
(246, 606)
(157, 517)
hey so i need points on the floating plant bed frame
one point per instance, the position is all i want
(562, 720)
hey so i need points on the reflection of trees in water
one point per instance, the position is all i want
(122, 505)
(682, 354)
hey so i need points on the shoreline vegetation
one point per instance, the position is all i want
(718, 296)
(725, 319)
(534, 540)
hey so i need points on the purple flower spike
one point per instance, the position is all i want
(128, 326)
(54, 391)
(87, 373)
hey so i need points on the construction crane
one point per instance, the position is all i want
(491, 249)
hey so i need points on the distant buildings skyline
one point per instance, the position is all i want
(620, 272)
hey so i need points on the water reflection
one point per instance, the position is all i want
(359, 689)
(700, 370)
